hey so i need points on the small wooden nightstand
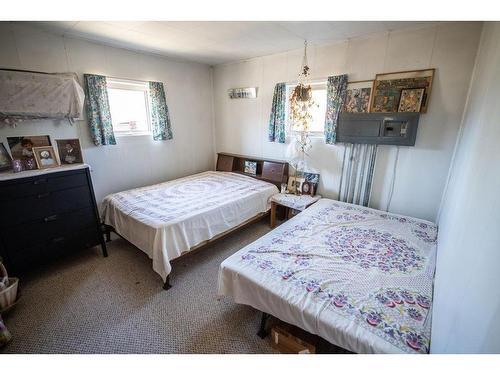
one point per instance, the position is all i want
(296, 202)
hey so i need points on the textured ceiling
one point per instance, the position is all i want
(217, 42)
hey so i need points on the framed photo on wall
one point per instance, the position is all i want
(358, 97)
(45, 157)
(69, 151)
(388, 88)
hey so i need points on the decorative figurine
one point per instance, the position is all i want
(17, 165)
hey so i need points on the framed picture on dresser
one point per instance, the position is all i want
(45, 157)
(69, 151)
(22, 147)
(5, 159)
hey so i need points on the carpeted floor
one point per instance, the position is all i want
(91, 304)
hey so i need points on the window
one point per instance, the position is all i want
(318, 111)
(129, 106)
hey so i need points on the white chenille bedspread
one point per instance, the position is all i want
(168, 219)
(360, 278)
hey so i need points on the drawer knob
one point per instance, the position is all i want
(39, 182)
(44, 195)
(57, 239)
(50, 218)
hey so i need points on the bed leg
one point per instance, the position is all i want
(263, 323)
(167, 285)
(107, 232)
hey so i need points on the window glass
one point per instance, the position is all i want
(129, 106)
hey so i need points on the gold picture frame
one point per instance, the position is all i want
(387, 89)
(45, 157)
(356, 96)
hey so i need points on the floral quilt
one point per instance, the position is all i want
(359, 277)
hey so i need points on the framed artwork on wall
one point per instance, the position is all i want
(358, 97)
(243, 93)
(388, 87)
(411, 100)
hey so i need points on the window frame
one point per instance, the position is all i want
(132, 85)
(313, 134)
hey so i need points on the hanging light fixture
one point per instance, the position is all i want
(301, 103)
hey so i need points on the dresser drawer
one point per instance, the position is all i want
(47, 183)
(43, 205)
(54, 226)
(42, 252)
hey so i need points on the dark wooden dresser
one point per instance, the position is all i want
(47, 214)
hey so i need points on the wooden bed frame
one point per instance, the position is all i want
(272, 171)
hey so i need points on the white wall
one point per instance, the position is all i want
(134, 161)
(241, 125)
(466, 316)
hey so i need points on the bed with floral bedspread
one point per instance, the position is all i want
(360, 278)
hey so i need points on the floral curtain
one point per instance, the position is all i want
(160, 117)
(278, 114)
(336, 93)
(98, 113)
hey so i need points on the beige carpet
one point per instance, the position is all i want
(91, 304)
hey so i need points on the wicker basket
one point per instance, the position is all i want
(8, 295)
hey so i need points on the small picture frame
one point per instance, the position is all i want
(295, 184)
(312, 178)
(411, 100)
(307, 188)
(250, 167)
(69, 151)
(5, 159)
(45, 157)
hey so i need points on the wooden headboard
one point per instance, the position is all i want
(270, 170)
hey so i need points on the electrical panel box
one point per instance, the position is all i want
(399, 129)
